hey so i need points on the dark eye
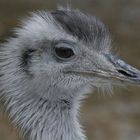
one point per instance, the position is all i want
(63, 52)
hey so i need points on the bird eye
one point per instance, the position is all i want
(63, 53)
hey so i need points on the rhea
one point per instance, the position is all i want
(47, 68)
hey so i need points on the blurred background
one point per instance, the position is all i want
(104, 117)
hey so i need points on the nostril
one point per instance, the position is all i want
(127, 74)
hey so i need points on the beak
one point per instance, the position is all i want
(119, 71)
(123, 71)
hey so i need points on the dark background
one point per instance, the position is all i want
(105, 117)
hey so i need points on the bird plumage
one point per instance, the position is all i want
(54, 60)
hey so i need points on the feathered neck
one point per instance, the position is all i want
(45, 120)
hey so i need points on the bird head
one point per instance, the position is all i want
(62, 52)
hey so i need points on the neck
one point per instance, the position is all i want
(46, 120)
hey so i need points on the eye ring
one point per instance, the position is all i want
(63, 52)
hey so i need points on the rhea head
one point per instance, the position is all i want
(58, 55)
